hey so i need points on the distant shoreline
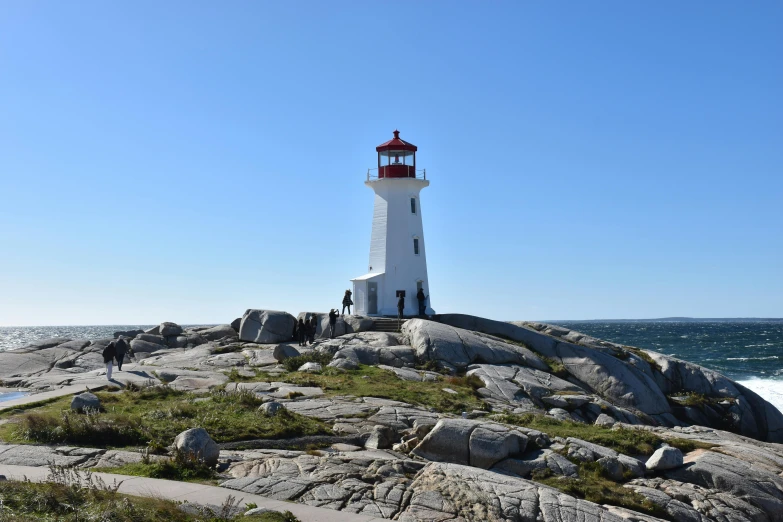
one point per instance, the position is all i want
(674, 320)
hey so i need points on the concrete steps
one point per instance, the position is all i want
(386, 324)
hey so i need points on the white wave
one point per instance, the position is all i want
(769, 389)
(752, 358)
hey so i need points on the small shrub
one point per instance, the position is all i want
(292, 364)
(89, 429)
(294, 394)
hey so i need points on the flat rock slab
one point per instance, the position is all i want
(194, 493)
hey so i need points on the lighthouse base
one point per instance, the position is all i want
(376, 295)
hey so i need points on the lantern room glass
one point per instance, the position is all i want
(396, 157)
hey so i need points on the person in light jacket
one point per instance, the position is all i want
(109, 353)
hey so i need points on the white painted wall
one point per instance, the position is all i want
(394, 227)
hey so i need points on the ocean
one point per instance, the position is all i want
(750, 352)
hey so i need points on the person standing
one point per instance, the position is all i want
(332, 322)
(109, 353)
(347, 301)
(120, 348)
(295, 333)
(422, 301)
(400, 306)
(302, 332)
(313, 328)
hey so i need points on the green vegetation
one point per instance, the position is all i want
(371, 381)
(75, 497)
(293, 363)
(593, 485)
(154, 416)
(182, 467)
(622, 440)
(697, 400)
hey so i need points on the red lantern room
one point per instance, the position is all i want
(396, 158)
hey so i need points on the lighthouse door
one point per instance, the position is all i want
(372, 298)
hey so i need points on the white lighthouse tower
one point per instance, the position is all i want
(398, 253)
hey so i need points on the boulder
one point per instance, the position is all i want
(168, 328)
(284, 351)
(605, 420)
(218, 332)
(396, 356)
(270, 409)
(310, 367)
(137, 345)
(127, 333)
(457, 348)
(196, 442)
(344, 364)
(664, 458)
(381, 437)
(236, 323)
(612, 467)
(155, 330)
(266, 326)
(470, 442)
(150, 338)
(85, 401)
(176, 341)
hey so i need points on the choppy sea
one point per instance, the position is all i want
(750, 352)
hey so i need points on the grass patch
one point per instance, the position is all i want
(690, 398)
(72, 499)
(623, 440)
(235, 376)
(154, 417)
(293, 363)
(594, 486)
(184, 468)
(371, 381)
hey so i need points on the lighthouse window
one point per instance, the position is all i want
(413, 205)
(416, 246)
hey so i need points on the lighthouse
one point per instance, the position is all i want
(398, 252)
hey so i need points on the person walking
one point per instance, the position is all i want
(121, 348)
(302, 332)
(109, 353)
(347, 301)
(313, 328)
(332, 322)
(422, 301)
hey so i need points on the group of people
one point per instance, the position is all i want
(420, 297)
(305, 330)
(116, 349)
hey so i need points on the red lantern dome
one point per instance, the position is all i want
(396, 158)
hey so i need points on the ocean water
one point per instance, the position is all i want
(750, 352)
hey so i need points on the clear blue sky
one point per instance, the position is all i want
(187, 160)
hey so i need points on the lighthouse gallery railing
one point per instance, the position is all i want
(372, 174)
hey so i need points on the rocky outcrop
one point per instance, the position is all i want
(455, 348)
(638, 382)
(266, 326)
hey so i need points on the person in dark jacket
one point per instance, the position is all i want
(121, 348)
(400, 306)
(295, 333)
(347, 302)
(313, 328)
(109, 353)
(332, 322)
(422, 301)
(302, 332)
